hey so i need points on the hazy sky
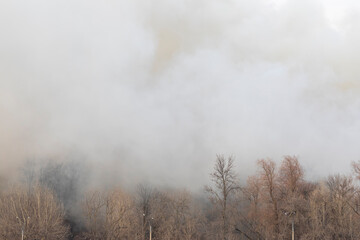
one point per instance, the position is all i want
(153, 90)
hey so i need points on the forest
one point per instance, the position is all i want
(49, 203)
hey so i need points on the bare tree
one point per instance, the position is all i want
(110, 215)
(120, 215)
(35, 215)
(175, 217)
(251, 222)
(356, 169)
(326, 210)
(341, 194)
(93, 207)
(317, 214)
(291, 174)
(269, 180)
(225, 183)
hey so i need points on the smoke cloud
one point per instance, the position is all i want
(151, 91)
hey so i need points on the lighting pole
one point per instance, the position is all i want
(150, 231)
(22, 224)
(291, 214)
(150, 227)
(143, 226)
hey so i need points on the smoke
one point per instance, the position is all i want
(152, 91)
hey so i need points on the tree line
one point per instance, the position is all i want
(274, 203)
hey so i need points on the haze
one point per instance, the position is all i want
(152, 91)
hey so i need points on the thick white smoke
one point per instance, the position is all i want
(153, 90)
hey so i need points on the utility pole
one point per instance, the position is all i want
(291, 214)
